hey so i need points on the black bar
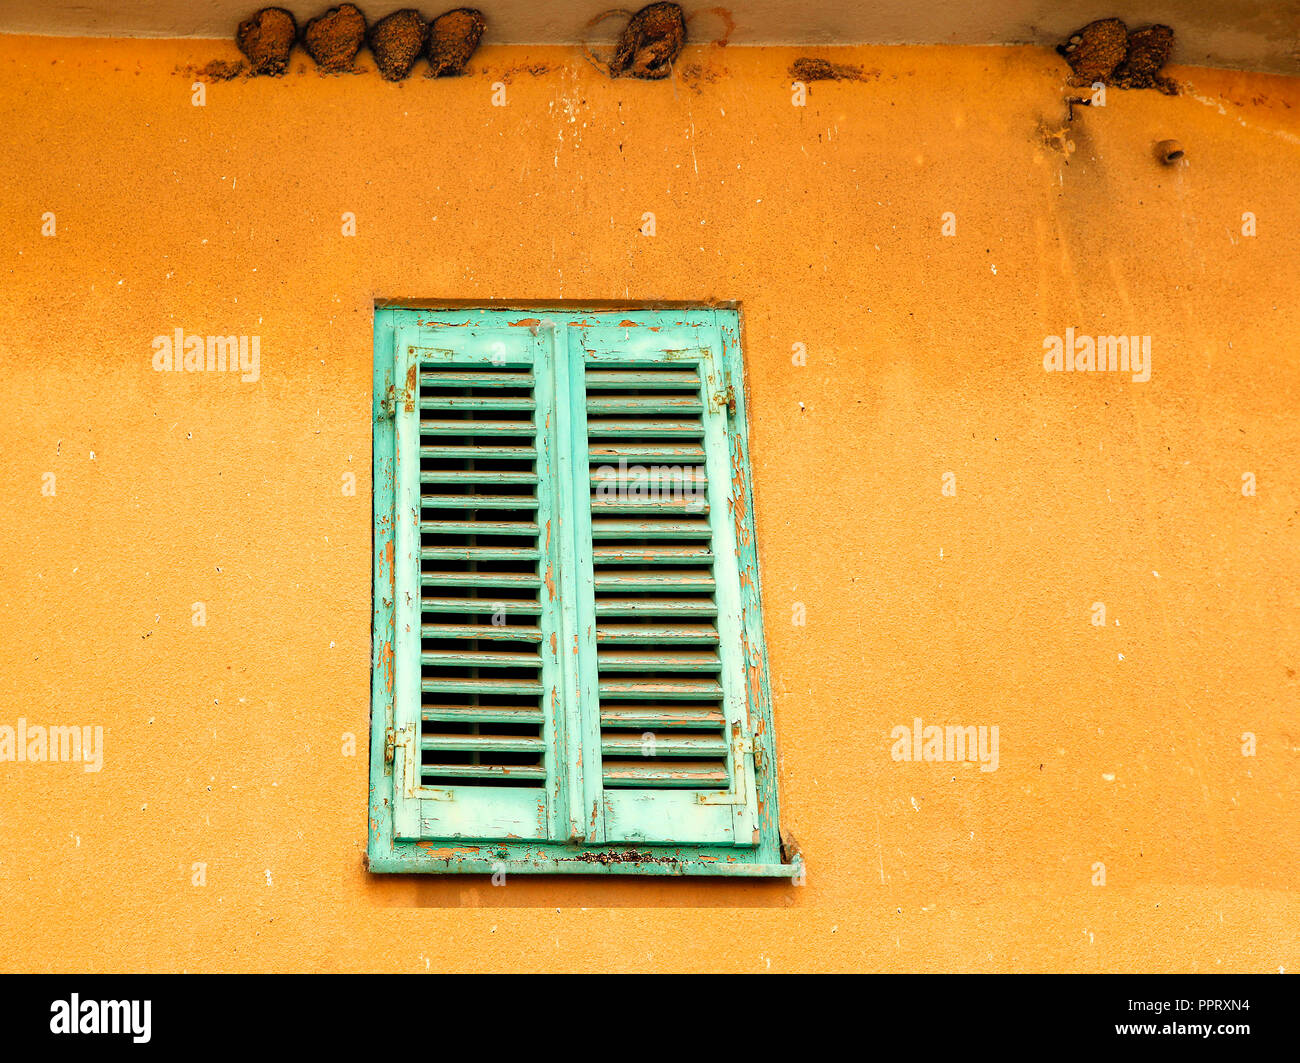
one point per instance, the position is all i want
(1247, 1015)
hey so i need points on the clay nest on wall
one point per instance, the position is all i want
(650, 42)
(266, 39)
(809, 69)
(334, 38)
(396, 43)
(1105, 51)
(453, 37)
(1148, 51)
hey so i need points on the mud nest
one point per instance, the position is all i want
(452, 40)
(266, 39)
(1096, 50)
(396, 43)
(220, 70)
(806, 69)
(650, 42)
(1105, 51)
(334, 38)
(1148, 51)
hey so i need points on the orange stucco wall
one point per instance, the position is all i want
(1119, 744)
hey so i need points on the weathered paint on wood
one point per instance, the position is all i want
(635, 816)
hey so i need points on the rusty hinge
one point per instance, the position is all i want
(406, 737)
(721, 397)
(388, 404)
(404, 742)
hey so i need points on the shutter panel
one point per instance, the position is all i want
(478, 722)
(661, 591)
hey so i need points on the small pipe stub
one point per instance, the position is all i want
(1169, 152)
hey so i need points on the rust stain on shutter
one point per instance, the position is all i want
(412, 385)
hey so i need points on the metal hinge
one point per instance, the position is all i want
(723, 397)
(404, 739)
(407, 739)
(388, 404)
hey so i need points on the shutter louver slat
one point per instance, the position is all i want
(431, 428)
(652, 379)
(451, 773)
(480, 686)
(480, 501)
(649, 555)
(479, 553)
(477, 527)
(648, 451)
(469, 605)
(686, 579)
(477, 453)
(476, 476)
(656, 634)
(642, 689)
(641, 774)
(432, 713)
(474, 402)
(505, 632)
(652, 717)
(658, 661)
(692, 477)
(523, 580)
(651, 529)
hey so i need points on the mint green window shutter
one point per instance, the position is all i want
(662, 640)
(477, 748)
(569, 671)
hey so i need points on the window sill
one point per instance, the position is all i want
(513, 858)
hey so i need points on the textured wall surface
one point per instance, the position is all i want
(224, 743)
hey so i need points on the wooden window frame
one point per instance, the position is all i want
(387, 854)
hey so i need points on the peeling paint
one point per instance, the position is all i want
(443, 852)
